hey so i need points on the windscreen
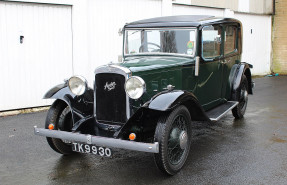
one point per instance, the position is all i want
(160, 41)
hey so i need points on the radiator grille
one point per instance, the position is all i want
(110, 98)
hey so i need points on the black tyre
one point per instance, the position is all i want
(173, 132)
(60, 116)
(241, 95)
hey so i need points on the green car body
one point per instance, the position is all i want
(217, 75)
(175, 70)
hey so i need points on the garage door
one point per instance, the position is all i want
(35, 52)
(256, 41)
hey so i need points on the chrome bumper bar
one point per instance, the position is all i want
(97, 140)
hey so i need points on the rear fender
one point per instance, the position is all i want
(244, 68)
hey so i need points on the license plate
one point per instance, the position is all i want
(96, 150)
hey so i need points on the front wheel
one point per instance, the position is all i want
(173, 132)
(60, 116)
(241, 95)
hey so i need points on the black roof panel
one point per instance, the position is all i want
(178, 21)
(178, 18)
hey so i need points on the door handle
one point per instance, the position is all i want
(225, 61)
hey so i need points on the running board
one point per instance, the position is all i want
(220, 111)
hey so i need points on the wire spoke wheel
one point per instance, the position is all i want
(243, 98)
(241, 95)
(173, 132)
(175, 151)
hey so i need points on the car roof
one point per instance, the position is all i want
(180, 21)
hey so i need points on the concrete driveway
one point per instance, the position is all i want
(248, 151)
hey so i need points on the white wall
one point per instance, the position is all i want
(195, 10)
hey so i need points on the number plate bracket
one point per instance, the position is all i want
(89, 139)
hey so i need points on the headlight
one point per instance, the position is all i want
(135, 87)
(78, 85)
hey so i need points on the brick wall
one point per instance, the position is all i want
(280, 37)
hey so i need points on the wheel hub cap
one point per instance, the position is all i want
(245, 95)
(183, 139)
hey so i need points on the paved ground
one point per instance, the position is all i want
(248, 151)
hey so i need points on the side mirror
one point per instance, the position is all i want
(120, 32)
(120, 58)
(196, 69)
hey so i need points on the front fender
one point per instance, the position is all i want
(56, 91)
(145, 118)
(164, 101)
(61, 92)
(80, 106)
(168, 100)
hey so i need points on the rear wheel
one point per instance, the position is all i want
(173, 132)
(241, 95)
(60, 115)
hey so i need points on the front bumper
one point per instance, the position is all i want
(99, 141)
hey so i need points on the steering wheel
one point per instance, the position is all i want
(148, 48)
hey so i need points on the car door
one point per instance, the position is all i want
(231, 57)
(209, 83)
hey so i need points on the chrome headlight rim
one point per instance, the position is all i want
(143, 87)
(84, 85)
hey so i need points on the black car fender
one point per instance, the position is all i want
(168, 100)
(161, 104)
(243, 68)
(80, 106)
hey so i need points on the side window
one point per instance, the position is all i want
(211, 41)
(230, 39)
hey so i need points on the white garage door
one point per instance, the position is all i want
(256, 41)
(35, 52)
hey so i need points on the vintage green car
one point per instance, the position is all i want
(176, 71)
